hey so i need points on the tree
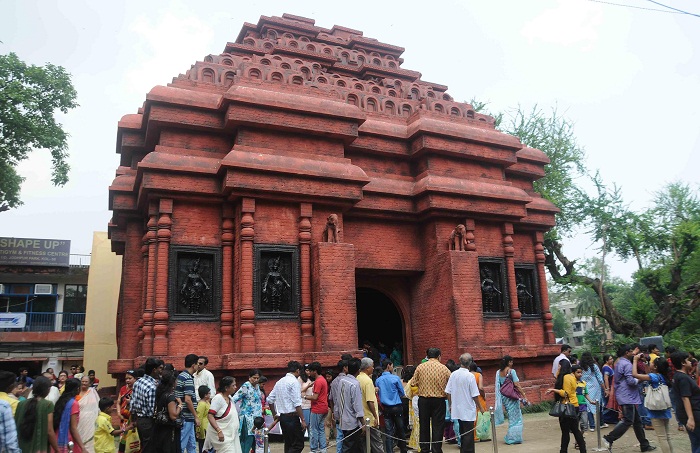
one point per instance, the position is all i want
(664, 239)
(29, 98)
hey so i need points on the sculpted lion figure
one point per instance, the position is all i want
(331, 233)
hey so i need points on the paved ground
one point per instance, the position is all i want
(542, 435)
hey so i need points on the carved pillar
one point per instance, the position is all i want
(144, 288)
(149, 308)
(470, 239)
(226, 281)
(247, 310)
(544, 294)
(516, 323)
(160, 317)
(307, 314)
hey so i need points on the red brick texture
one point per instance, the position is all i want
(292, 123)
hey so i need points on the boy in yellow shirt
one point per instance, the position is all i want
(202, 411)
(104, 431)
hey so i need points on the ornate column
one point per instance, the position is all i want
(516, 323)
(544, 294)
(144, 288)
(160, 317)
(226, 281)
(149, 308)
(307, 314)
(247, 309)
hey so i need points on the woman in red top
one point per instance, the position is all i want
(123, 408)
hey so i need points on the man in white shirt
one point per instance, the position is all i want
(285, 404)
(565, 353)
(463, 396)
(203, 376)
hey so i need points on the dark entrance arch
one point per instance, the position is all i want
(378, 320)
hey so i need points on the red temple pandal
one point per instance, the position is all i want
(302, 192)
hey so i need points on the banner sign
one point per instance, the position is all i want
(13, 320)
(34, 252)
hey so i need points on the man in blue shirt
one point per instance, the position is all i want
(184, 389)
(627, 394)
(390, 394)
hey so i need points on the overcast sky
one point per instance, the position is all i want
(629, 78)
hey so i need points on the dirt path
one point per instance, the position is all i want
(542, 435)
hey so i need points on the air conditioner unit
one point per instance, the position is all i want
(2, 289)
(43, 288)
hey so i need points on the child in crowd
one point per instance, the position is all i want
(583, 400)
(104, 431)
(258, 424)
(202, 411)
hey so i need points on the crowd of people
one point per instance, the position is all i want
(639, 389)
(409, 407)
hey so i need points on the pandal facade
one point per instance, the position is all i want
(264, 195)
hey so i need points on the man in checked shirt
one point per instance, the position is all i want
(143, 402)
(431, 379)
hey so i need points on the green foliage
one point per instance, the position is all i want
(29, 98)
(543, 406)
(561, 326)
(554, 135)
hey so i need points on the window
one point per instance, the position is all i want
(494, 295)
(75, 299)
(527, 290)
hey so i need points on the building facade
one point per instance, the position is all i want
(302, 192)
(48, 299)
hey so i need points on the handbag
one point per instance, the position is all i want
(658, 399)
(563, 409)
(162, 417)
(132, 442)
(483, 425)
(508, 388)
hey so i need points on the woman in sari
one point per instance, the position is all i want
(594, 386)
(34, 419)
(66, 414)
(89, 410)
(480, 384)
(123, 408)
(510, 405)
(222, 433)
(251, 406)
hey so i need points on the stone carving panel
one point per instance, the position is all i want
(494, 294)
(276, 281)
(527, 290)
(195, 283)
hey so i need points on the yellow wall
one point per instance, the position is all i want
(101, 314)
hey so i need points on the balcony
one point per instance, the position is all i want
(52, 322)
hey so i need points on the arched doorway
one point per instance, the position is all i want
(378, 320)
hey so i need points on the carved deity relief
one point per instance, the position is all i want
(275, 288)
(525, 288)
(332, 230)
(194, 288)
(491, 287)
(276, 281)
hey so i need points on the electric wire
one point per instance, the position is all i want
(646, 9)
(680, 11)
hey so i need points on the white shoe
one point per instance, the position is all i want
(592, 430)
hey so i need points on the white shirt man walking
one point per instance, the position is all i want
(463, 396)
(202, 376)
(285, 404)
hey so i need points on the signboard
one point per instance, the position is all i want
(13, 320)
(34, 252)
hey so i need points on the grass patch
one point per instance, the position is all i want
(543, 406)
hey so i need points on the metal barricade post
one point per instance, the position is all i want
(599, 419)
(494, 438)
(368, 446)
(266, 440)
